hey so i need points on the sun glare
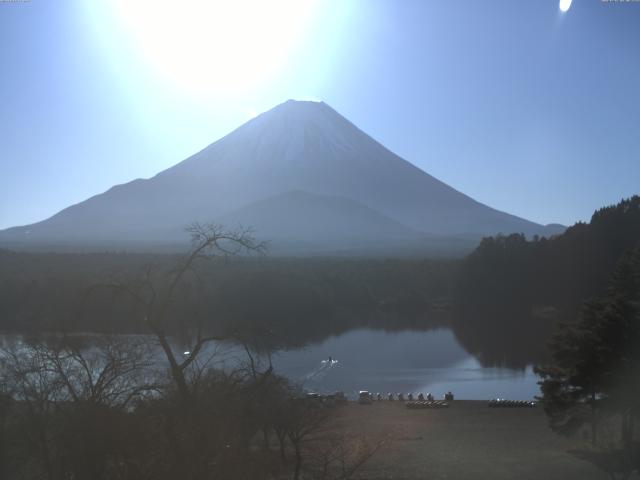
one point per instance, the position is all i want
(221, 47)
(565, 5)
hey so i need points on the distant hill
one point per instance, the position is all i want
(302, 175)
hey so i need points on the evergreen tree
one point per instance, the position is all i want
(594, 377)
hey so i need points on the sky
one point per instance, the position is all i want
(523, 107)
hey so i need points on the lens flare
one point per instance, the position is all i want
(565, 5)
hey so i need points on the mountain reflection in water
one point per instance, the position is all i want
(401, 361)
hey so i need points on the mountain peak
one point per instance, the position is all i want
(299, 108)
(297, 146)
(288, 126)
(297, 102)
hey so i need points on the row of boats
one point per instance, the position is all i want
(421, 401)
(494, 403)
(427, 404)
(365, 397)
(502, 403)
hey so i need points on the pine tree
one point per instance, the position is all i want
(595, 374)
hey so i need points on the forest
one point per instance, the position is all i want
(98, 406)
(296, 300)
(135, 407)
(503, 301)
(512, 292)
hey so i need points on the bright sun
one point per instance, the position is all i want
(565, 5)
(206, 46)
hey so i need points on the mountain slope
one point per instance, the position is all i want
(296, 146)
(316, 217)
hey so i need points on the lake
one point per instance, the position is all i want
(427, 361)
(401, 361)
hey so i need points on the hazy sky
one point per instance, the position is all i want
(527, 109)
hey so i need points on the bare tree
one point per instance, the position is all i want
(322, 450)
(305, 418)
(156, 291)
(194, 434)
(340, 455)
(68, 397)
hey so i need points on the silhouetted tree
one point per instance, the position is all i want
(105, 407)
(156, 291)
(511, 291)
(305, 417)
(69, 403)
(593, 379)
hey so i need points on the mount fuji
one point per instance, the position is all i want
(303, 177)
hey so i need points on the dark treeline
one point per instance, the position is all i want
(295, 300)
(134, 407)
(590, 388)
(512, 291)
(509, 294)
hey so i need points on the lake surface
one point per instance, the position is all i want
(427, 361)
(406, 361)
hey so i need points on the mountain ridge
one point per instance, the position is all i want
(294, 147)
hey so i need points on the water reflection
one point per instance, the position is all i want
(427, 361)
(405, 361)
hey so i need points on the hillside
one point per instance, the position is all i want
(512, 292)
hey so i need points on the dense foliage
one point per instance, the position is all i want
(298, 300)
(512, 291)
(593, 379)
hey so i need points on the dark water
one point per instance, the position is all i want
(427, 361)
(406, 361)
